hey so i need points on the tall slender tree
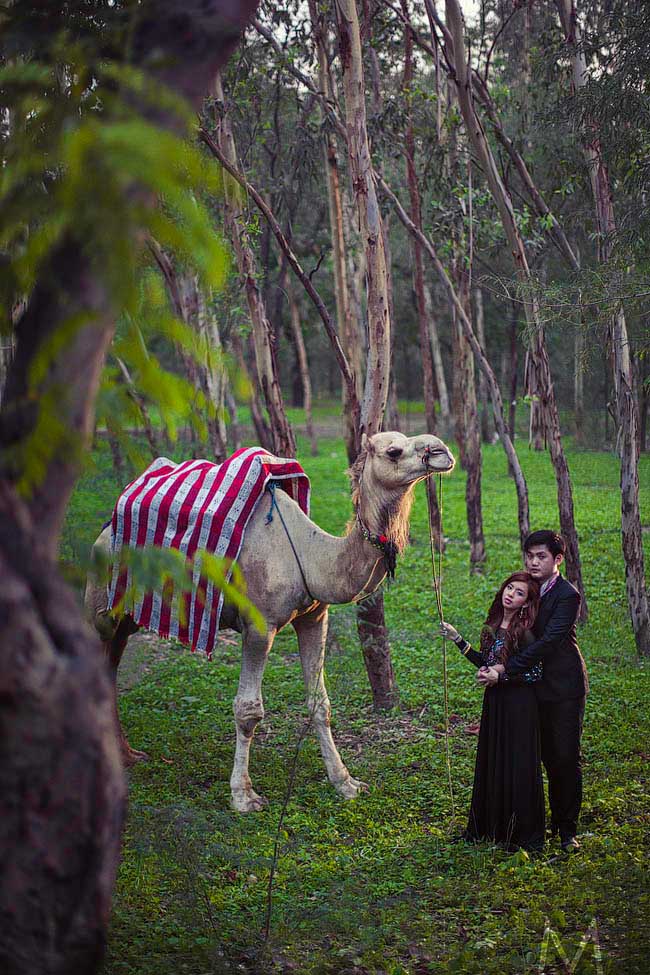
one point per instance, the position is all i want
(372, 627)
(625, 404)
(545, 391)
(423, 311)
(465, 405)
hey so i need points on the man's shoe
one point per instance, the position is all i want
(570, 844)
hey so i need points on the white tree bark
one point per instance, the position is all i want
(303, 365)
(363, 183)
(438, 365)
(482, 384)
(370, 618)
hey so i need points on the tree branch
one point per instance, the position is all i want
(305, 280)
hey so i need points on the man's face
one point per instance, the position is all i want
(540, 563)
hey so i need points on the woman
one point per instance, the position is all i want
(508, 794)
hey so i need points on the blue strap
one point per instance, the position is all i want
(270, 487)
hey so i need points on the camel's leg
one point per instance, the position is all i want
(114, 648)
(249, 711)
(312, 632)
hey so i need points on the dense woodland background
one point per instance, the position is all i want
(347, 218)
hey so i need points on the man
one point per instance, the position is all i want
(561, 692)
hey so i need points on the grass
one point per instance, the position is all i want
(380, 885)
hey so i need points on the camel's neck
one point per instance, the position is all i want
(353, 566)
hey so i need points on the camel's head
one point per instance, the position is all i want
(384, 473)
(397, 461)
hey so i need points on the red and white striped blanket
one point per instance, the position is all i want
(194, 506)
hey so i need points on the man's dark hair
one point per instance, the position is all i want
(553, 542)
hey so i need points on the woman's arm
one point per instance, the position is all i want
(474, 657)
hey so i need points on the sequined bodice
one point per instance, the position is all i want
(496, 654)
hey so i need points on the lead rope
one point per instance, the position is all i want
(270, 487)
(437, 588)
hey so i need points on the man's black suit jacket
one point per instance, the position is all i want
(556, 645)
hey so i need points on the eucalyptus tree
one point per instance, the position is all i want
(93, 142)
(544, 388)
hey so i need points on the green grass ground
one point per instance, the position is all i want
(380, 884)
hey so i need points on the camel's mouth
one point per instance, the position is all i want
(431, 461)
(430, 470)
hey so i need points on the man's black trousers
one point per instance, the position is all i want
(561, 728)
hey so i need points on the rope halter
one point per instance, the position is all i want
(382, 542)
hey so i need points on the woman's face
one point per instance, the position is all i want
(514, 596)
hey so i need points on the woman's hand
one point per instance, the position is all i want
(489, 676)
(446, 629)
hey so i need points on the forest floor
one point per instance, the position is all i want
(381, 884)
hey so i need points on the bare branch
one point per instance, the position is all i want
(304, 279)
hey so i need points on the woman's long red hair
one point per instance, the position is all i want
(522, 621)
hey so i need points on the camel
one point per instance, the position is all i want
(297, 585)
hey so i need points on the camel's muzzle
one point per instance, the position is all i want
(432, 456)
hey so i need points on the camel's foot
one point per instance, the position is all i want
(131, 756)
(247, 800)
(350, 788)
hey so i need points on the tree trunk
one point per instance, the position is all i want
(260, 426)
(305, 280)
(533, 384)
(301, 356)
(375, 646)
(486, 435)
(578, 386)
(212, 371)
(624, 399)
(347, 327)
(481, 359)
(465, 409)
(391, 420)
(514, 367)
(208, 375)
(372, 630)
(424, 318)
(284, 444)
(468, 435)
(62, 786)
(119, 467)
(138, 399)
(379, 325)
(539, 356)
(234, 433)
(6, 355)
(213, 376)
(438, 366)
(644, 397)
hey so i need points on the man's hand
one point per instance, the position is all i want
(446, 629)
(489, 676)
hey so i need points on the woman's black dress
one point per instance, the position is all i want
(508, 795)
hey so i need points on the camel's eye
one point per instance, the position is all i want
(394, 452)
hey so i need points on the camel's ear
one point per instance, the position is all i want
(366, 444)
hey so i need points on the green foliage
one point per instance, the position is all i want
(382, 884)
(85, 162)
(168, 570)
